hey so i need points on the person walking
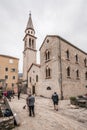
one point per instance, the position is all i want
(19, 92)
(55, 99)
(30, 103)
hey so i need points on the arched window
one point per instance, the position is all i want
(76, 56)
(48, 72)
(77, 73)
(36, 78)
(67, 54)
(47, 55)
(33, 43)
(68, 71)
(30, 42)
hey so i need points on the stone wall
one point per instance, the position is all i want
(73, 86)
(6, 123)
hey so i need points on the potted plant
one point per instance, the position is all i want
(73, 100)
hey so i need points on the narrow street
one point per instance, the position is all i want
(48, 119)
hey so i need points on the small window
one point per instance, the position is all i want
(13, 77)
(68, 71)
(67, 54)
(30, 79)
(6, 69)
(13, 70)
(47, 40)
(12, 84)
(6, 76)
(77, 74)
(48, 88)
(76, 57)
(36, 78)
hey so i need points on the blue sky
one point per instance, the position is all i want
(66, 18)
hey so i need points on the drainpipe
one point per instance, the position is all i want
(27, 79)
(61, 88)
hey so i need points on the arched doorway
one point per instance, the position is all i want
(33, 89)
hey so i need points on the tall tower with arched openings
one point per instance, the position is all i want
(29, 53)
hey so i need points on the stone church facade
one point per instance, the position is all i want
(62, 68)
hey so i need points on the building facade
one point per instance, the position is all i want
(9, 72)
(34, 79)
(63, 68)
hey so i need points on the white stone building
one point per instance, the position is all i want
(34, 78)
(63, 66)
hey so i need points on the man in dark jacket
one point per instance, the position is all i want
(30, 103)
(55, 99)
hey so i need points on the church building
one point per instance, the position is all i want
(62, 68)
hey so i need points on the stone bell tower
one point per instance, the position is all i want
(29, 53)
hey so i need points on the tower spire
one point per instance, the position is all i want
(30, 23)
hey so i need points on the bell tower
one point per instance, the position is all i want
(29, 53)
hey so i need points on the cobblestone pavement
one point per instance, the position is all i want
(48, 119)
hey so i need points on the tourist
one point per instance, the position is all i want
(19, 92)
(55, 99)
(30, 103)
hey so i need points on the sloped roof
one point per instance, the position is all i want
(7, 56)
(62, 40)
(30, 23)
(38, 65)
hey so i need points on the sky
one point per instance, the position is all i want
(65, 18)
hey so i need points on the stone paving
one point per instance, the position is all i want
(48, 119)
